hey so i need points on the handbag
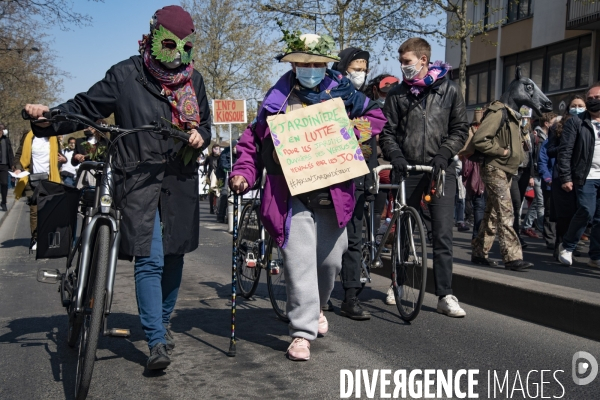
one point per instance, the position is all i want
(35, 179)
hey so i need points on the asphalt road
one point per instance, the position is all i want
(36, 363)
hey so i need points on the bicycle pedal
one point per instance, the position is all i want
(46, 275)
(274, 268)
(118, 332)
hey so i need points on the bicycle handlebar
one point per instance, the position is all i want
(56, 115)
(411, 168)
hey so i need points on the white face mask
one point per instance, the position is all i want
(5, 132)
(357, 78)
(173, 64)
(410, 71)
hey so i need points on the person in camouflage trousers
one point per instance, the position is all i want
(497, 185)
(499, 139)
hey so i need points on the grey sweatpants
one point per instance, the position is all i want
(312, 260)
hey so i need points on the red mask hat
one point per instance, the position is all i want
(175, 19)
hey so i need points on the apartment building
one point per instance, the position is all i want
(554, 41)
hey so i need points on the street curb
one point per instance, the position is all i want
(567, 309)
(10, 201)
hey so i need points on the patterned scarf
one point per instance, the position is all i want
(436, 71)
(177, 86)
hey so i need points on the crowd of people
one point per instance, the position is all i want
(552, 203)
(420, 119)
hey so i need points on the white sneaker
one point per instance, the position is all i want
(594, 263)
(34, 247)
(449, 305)
(565, 256)
(390, 300)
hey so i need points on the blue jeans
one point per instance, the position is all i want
(157, 281)
(588, 199)
(536, 211)
(459, 208)
(69, 181)
(478, 211)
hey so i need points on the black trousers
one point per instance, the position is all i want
(441, 212)
(4, 182)
(518, 186)
(352, 259)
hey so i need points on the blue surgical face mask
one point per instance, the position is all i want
(576, 110)
(310, 77)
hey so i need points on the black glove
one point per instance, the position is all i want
(400, 164)
(440, 161)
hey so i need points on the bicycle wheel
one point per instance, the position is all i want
(93, 316)
(276, 280)
(409, 261)
(247, 248)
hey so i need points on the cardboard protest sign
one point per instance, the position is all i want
(316, 146)
(229, 111)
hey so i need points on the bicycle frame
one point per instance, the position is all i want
(399, 205)
(99, 213)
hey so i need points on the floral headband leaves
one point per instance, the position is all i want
(295, 43)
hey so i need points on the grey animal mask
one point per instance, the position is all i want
(524, 92)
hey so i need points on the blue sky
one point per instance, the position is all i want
(87, 53)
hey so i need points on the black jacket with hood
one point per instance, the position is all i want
(346, 57)
(150, 174)
(418, 126)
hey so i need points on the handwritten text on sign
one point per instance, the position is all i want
(316, 146)
(229, 111)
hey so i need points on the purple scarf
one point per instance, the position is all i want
(436, 71)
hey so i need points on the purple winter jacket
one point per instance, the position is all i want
(276, 206)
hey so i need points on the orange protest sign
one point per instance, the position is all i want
(229, 112)
(316, 146)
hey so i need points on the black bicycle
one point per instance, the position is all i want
(406, 233)
(256, 251)
(86, 285)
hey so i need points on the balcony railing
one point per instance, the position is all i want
(583, 14)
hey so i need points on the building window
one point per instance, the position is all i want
(481, 79)
(519, 9)
(561, 66)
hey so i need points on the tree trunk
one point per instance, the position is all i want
(462, 70)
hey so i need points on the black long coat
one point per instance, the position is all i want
(149, 172)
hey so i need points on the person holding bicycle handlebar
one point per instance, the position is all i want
(427, 125)
(156, 189)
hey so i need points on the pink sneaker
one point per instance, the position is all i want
(299, 350)
(323, 324)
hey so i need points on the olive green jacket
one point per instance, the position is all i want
(492, 141)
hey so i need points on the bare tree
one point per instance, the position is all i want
(233, 54)
(459, 28)
(359, 23)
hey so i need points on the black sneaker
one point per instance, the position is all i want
(353, 310)
(159, 359)
(3, 207)
(483, 261)
(518, 265)
(169, 339)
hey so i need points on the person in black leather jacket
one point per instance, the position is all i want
(427, 125)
